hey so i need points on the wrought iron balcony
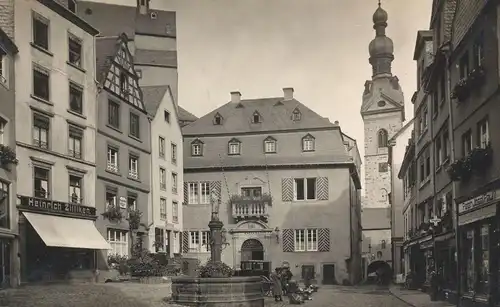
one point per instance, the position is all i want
(250, 207)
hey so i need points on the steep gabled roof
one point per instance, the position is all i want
(274, 118)
(106, 48)
(184, 115)
(153, 96)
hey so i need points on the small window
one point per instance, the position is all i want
(234, 147)
(382, 138)
(112, 161)
(163, 178)
(270, 146)
(154, 15)
(133, 167)
(41, 83)
(256, 118)
(305, 188)
(466, 143)
(72, 5)
(40, 32)
(132, 202)
(113, 114)
(197, 148)
(174, 183)
(138, 72)
(3, 67)
(296, 115)
(163, 209)
(41, 182)
(75, 142)
(75, 98)
(75, 189)
(123, 84)
(308, 143)
(175, 212)
(41, 129)
(3, 138)
(173, 153)
(134, 125)
(111, 199)
(75, 51)
(479, 50)
(166, 115)
(483, 138)
(464, 65)
(381, 103)
(218, 119)
(161, 147)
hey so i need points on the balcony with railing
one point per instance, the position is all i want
(248, 207)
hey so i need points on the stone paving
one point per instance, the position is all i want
(416, 298)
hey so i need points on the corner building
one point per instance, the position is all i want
(287, 185)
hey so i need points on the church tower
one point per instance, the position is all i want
(382, 111)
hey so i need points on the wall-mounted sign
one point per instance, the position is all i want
(123, 202)
(46, 205)
(472, 204)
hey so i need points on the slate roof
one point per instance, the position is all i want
(375, 218)
(466, 14)
(153, 96)
(156, 57)
(126, 19)
(275, 117)
(106, 48)
(185, 115)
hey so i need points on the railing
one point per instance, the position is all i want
(250, 207)
(75, 154)
(133, 174)
(41, 144)
(74, 199)
(112, 167)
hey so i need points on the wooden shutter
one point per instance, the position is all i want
(288, 240)
(322, 188)
(287, 189)
(216, 186)
(185, 242)
(186, 193)
(324, 240)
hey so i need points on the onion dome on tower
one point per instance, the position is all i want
(381, 48)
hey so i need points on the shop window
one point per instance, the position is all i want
(484, 260)
(468, 260)
(41, 182)
(118, 239)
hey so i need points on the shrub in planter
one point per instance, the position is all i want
(7, 155)
(215, 269)
(461, 90)
(120, 263)
(480, 159)
(134, 218)
(113, 213)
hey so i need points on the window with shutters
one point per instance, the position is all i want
(306, 240)
(199, 192)
(305, 188)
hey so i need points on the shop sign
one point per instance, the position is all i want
(123, 202)
(46, 205)
(476, 202)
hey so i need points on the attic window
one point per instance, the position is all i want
(123, 83)
(381, 103)
(154, 15)
(296, 115)
(256, 118)
(217, 119)
(166, 115)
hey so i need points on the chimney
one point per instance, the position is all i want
(288, 93)
(235, 97)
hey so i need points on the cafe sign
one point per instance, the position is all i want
(476, 202)
(51, 206)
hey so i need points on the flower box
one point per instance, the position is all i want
(460, 170)
(134, 218)
(480, 159)
(7, 155)
(113, 213)
(461, 90)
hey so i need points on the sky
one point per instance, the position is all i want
(318, 47)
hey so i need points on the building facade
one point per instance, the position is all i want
(166, 170)
(57, 156)
(9, 247)
(124, 148)
(244, 157)
(382, 111)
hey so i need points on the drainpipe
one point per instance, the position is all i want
(452, 158)
(151, 194)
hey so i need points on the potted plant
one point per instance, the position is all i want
(134, 218)
(480, 159)
(7, 155)
(461, 90)
(476, 77)
(460, 170)
(113, 213)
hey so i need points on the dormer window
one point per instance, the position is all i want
(296, 115)
(308, 143)
(217, 119)
(72, 6)
(197, 148)
(256, 118)
(381, 103)
(154, 15)
(234, 147)
(270, 145)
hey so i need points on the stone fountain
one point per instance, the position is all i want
(220, 289)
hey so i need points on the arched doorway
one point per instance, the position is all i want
(381, 269)
(252, 249)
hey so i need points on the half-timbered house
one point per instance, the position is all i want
(123, 145)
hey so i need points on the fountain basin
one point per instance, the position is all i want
(218, 292)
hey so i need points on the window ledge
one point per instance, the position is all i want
(41, 100)
(134, 179)
(424, 183)
(76, 114)
(76, 67)
(311, 150)
(234, 154)
(114, 173)
(41, 49)
(114, 128)
(134, 138)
